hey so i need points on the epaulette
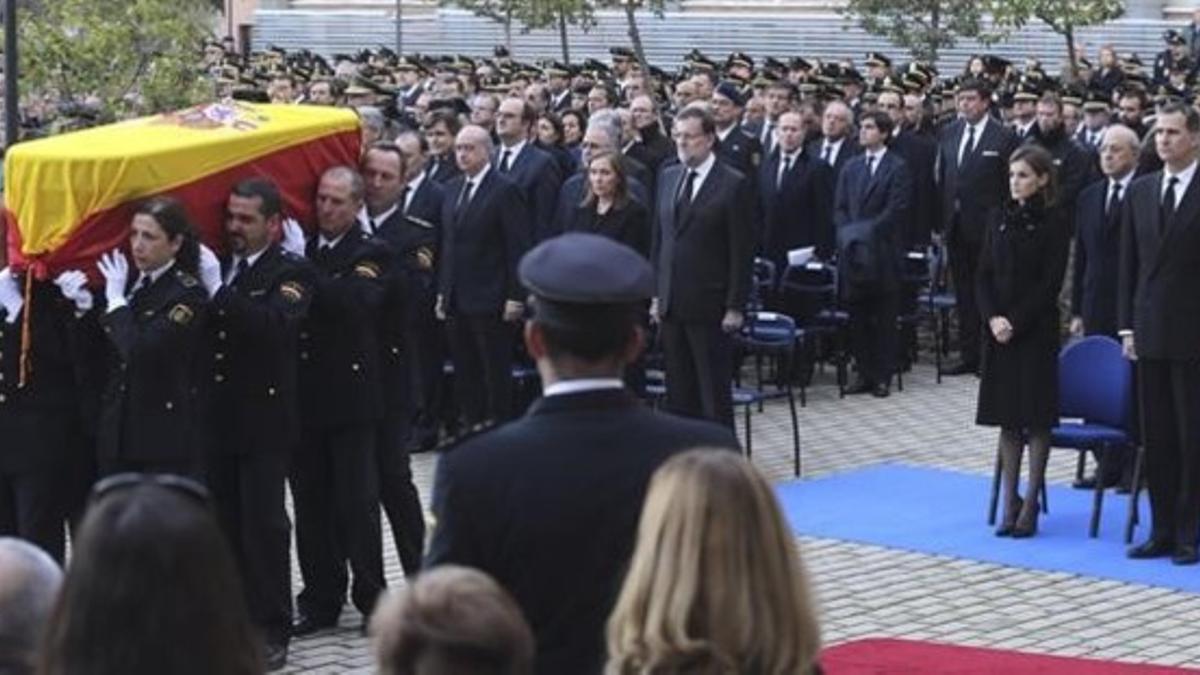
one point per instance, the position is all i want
(420, 222)
(186, 279)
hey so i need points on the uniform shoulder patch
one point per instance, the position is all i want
(368, 269)
(425, 258)
(292, 291)
(181, 314)
(420, 222)
(186, 279)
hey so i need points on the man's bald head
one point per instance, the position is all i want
(29, 583)
(472, 149)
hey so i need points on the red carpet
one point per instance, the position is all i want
(878, 656)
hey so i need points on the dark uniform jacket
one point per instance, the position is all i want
(339, 342)
(742, 150)
(443, 169)
(411, 245)
(255, 324)
(919, 152)
(548, 505)
(149, 407)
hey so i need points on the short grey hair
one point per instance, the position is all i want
(345, 173)
(371, 118)
(29, 584)
(608, 122)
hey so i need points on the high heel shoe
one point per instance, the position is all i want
(1010, 519)
(1026, 527)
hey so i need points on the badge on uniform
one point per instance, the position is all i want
(292, 291)
(181, 314)
(367, 270)
(425, 258)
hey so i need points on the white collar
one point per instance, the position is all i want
(478, 178)
(364, 215)
(835, 145)
(250, 259)
(323, 242)
(581, 385)
(723, 134)
(515, 150)
(156, 274)
(702, 170)
(1123, 181)
(1185, 179)
(877, 155)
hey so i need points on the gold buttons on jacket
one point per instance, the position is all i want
(219, 378)
(354, 367)
(170, 405)
(270, 391)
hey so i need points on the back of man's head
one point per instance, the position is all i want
(29, 582)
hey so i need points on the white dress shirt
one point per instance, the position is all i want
(581, 385)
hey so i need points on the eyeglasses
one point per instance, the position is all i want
(177, 484)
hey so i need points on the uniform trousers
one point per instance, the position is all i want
(33, 507)
(335, 490)
(1170, 403)
(397, 493)
(699, 370)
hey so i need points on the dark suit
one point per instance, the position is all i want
(1097, 242)
(846, 151)
(254, 424)
(148, 419)
(1157, 300)
(442, 169)
(334, 482)
(968, 191)
(536, 172)
(652, 148)
(703, 251)
(1075, 166)
(919, 153)
(483, 239)
(427, 349)
(871, 210)
(548, 505)
(796, 211)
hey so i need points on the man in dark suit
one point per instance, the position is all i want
(426, 341)
(740, 149)
(795, 197)
(871, 208)
(703, 248)
(261, 297)
(588, 448)
(1158, 319)
(973, 177)
(651, 146)
(837, 144)
(334, 482)
(919, 152)
(534, 170)
(485, 231)
(441, 129)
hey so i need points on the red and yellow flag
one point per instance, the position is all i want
(71, 197)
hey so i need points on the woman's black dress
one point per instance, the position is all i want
(628, 224)
(1021, 267)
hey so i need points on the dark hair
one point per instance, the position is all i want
(556, 122)
(581, 119)
(1042, 162)
(446, 117)
(172, 217)
(1191, 117)
(976, 84)
(152, 588)
(621, 198)
(265, 190)
(882, 121)
(707, 124)
(388, 147)
(591, 333)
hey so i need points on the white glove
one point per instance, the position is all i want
(73, 285)
(210, 270)
(115, 269)
(10, 295)
(293, 237)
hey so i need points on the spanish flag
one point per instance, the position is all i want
(71, 197)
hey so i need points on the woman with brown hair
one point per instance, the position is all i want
(715, 584)
(608, 209)
(1021, 268)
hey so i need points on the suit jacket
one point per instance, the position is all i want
(1160, 271)
(426, 202)
(443, 169)
(742, 150)
(847, 151)
(919, 152)
(482, 242)
(148, 411)
(979, 184)
(629, 224)
(1097, 243)
(652, 148)
(548, 505)
(703, 252)
(799, 210)
(253, 402)
(878, 205)
(339, 341)
(536, 172)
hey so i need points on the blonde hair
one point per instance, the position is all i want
(715, 584)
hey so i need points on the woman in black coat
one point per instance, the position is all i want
(1021, 269)
(607, 207)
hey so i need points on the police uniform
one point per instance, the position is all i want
(254, 422)
(334, 482)
(148, 415)
(572, 472)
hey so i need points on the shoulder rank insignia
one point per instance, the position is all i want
(181, 314)
(367, 269)
(186, 279)
(292, 291)
(425, 258)
(420, 222)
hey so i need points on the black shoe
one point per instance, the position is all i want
(881, 391)
(1086, 483)
(860, 387)
(1152, 548)
(1026, 527)
(961, 369)
(1010, 519)
(276, 655)
(307, 625)
(1185, 554)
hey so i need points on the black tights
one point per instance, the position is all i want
(1012, 443)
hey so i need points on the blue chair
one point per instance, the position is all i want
(765, 280)
(774, 336)
(1095, 400)
(914, 279)
(937, 302)
(809, 293)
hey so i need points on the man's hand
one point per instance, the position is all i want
(654, 317)
(732, 321)
(439, 308)
(513, 311)
(210, 270)
(293, 237)
(1128, 348)
(115, 269)
(1001, 329)
(10, 294)
(73, 285)
(1076, 327)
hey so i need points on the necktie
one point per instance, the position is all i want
(784, 168)
(968, 146)
(685, 194)
(827, 154)
(464, 197)
(871, 165)
(405, 197)
(1114, 199)
(1168, 202)
(504, 159)
(239, 269)
(142, 284)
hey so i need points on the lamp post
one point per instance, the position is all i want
(12, 107)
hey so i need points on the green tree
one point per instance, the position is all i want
(125, 56)
(923, 27)
(630, 8)
(533, 15)
(1061, 16)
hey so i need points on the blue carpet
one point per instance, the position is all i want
(944, 513)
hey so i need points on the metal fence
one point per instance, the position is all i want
(667, 39)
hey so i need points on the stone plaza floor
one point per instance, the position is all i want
(869, 591)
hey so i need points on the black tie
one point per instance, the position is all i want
(1168, 202)
(969, 146)
(239, 270)
(463, 198)
(142, 284)
(871, 165)
(685, 195)
(787, 167)
(504, 159)
(1114, 199)
(825, 154)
